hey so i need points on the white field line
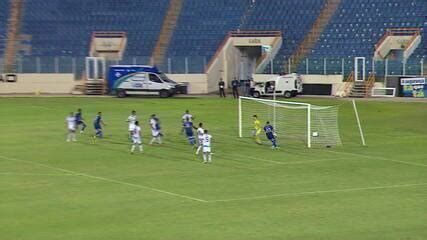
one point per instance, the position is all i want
(297, 194)
(294, 162)
(379, 158)
(43, 107)
(105, 179)
(36, 174)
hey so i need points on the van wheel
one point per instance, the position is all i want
(256, 94)
(164, 94)
(288, 94)
(121, 93)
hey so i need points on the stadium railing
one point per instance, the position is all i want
(197, 65)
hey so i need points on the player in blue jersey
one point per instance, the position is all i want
(188, 129)
(80, 120)
(98, 123)
(271, 135)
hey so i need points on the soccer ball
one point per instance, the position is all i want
(315, 134)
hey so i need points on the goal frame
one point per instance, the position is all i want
(373, 94)
(274, 114)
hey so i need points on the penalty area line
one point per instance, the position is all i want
(294, 162)
(36, 174)
(106, 179)
(378, 158)
(298, 194)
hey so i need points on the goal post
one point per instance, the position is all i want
(293, 121)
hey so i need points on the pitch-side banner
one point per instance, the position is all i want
(414, 87)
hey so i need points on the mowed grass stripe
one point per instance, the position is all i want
(297, 194)
(106, 179)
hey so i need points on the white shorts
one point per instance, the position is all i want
(155, 133)
(131, 127)
(200, 141)
(136, 140)
(71, 128)
(206, 149)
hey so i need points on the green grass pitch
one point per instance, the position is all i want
(51, 189)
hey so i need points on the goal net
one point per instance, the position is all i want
(301, 123)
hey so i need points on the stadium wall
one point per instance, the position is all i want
(28, 83)
(197, 83)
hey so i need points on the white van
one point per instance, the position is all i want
(289, 85)
(140, 80)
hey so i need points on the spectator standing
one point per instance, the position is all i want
(221, 86)
(235, 86)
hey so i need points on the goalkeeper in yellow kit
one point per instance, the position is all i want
(257, 129)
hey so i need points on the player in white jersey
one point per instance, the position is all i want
(71, 126)
(200, 132)
(131, 120)
(155, 130)
(186, 117)
(136, 138)
(207, 154)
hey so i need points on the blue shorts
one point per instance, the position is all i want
(271, 137)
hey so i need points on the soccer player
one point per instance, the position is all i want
(97, 124)
(186, 116)
(188, 128)
(155, 130)
(136, 137)
(71, 126)
(131, 120)
(257, 129)
(271, 135)
(80, 120)
(200, 132)
(207, 154)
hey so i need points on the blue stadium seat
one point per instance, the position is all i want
(62, 28)
(4, 13)
(357, 27)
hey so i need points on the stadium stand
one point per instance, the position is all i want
(293, 17)
(201, 28)
(204, 24)
(4, 13)
(358, 25)
(62, 28)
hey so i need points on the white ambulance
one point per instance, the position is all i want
(289, 85)
(125, 80)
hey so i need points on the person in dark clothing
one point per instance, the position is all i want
(221, 86)
(251, 86)
(235, 86)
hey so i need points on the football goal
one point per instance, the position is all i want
(293, 121)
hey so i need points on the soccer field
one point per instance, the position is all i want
(51, 189)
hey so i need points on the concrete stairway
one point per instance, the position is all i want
(358, 90)
(312, 37)
(363, 89)
(95, 87)
(13, 33)
(166, 32)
